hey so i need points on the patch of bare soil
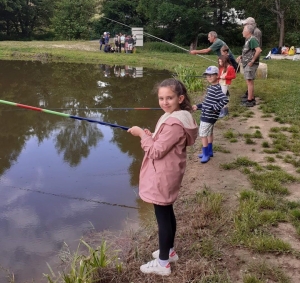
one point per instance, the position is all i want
(199, 176)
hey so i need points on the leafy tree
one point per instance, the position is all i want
(188, 22)
(122, 11)
(23, 17)
(72, 18)
(179, 21)
(272, 16)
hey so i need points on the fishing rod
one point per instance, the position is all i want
(161, 40)
(106, 108)
(109, 108)
(62, 114)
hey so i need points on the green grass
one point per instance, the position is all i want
(251, 222)
(249, 141)
(88, 52)
(257, 135)
(261, 271)
(238, 163)
(82, 268)
(265, 144)
(270, 179)
(270, 159)
(229, 134)
(220, 148)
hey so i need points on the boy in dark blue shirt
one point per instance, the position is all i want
(214, 101)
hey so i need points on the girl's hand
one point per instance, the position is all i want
(136, 131)
(194, 107)
(147, 132)
(223, 76)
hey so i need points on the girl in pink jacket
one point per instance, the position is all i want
(164, 165)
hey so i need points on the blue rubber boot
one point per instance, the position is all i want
(205, 157)
(210, 151)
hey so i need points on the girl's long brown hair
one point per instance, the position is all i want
(225, 61)
(179, 89)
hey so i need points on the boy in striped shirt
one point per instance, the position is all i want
(214, 101)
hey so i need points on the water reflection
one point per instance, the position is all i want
(59, 175)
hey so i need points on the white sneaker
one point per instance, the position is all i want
(154, 267)
(172, 256)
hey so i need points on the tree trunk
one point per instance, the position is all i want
(8, 28)
(281, 30)
(280, 20)
(194, 43)
(220, 20)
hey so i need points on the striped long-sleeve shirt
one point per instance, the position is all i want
(214, 101)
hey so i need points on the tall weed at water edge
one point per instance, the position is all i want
(83, 268)
(190, 78)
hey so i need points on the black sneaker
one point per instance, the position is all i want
(246, 99)
(248, 103)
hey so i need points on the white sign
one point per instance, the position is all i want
(139, 34)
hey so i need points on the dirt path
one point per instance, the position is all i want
(231, 182)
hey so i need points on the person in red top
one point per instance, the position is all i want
(226, 75)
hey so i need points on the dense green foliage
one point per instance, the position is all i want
(72, 17)
(184, 22)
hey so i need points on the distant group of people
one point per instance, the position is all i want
(121, 43)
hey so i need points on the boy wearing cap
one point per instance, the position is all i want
(214, 101)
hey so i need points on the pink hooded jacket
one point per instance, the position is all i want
(165, 157)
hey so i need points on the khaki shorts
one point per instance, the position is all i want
(249, 72)
(206, 129)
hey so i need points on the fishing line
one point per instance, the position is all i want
(74, 198)
(62, 114)
(162, 40)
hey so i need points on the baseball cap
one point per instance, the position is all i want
(248, 21)
(211, 70)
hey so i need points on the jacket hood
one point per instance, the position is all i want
(183, 118)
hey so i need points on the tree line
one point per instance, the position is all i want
(185, 22)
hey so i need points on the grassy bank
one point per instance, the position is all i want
(88, 52)
(214, 228)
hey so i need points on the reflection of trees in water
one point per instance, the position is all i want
(73, 85)
(75, 140)
(128, 92)
(16, 128)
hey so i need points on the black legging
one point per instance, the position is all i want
(166, 229)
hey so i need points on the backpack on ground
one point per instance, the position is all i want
(274, 50)
(292, 51)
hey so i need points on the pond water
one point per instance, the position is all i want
(60, 177)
